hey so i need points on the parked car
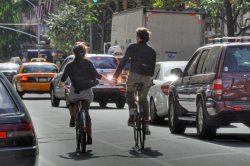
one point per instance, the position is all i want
(18, 141)
(9, 69)
(213, 90)
(16, 60)
(103, 93)
(34, 77)
(158, 92)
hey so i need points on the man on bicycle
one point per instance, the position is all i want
(142, 58)
(83, 77)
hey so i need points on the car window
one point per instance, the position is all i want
(104, 62)
(212, 60)
(39, 69)
(192, 64)
(6, 103)
(237, 59)
(64, 64)
(168, 67)
(201, 61)
(157, 71)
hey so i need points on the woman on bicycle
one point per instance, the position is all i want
(83, 77)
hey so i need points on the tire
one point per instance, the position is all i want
(103, 104)
(175, 125)
(120, 103)
(154, 118)
(54, 100)
(83, 142)
(204, 131)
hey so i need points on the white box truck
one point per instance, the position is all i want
(176, 34)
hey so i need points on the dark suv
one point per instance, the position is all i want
(213, 90)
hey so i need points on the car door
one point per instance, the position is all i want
(183, 87)
(197, 79)
(60, 92)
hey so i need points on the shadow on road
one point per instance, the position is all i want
(146, 153)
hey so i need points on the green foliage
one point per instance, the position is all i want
(66, 27)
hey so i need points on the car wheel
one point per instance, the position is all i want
(103, 104)
(154, 118)
(176, 126)
(204, 130)
(120, 103)
(54, 101)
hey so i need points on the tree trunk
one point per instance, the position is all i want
(230, 20)
(125, 4)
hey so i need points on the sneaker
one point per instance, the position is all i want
(131, 120)
(147, 131)
(89, 141)
(72, 122)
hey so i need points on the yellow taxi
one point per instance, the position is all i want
(34, 77)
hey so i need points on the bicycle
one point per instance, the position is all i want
(139, 121)
(82, 122)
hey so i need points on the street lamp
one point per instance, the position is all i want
(38, 20)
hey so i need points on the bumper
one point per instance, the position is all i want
(33, 87)
(108, 93)
(25, 156)
(225, 112)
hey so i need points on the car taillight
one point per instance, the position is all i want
(17, 135)
(122, 90)
(217, 87)
(164, 89)
(24, 78)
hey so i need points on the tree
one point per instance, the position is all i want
(10, 12)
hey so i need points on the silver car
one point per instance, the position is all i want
(103, 93)
(158, 92)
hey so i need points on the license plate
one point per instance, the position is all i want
(42, 79)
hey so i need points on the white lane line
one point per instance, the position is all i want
(45, 162)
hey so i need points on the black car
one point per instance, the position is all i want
(9, 69)
(213, 90)
(18, 141)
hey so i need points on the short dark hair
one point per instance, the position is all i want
(79, 50)
(143, 33)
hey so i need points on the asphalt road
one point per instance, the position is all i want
(113, 141)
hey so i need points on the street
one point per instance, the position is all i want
(113, 140)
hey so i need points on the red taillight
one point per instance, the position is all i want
(24, 78)
(3, 135)
(164, 89)
(217, 87)
(237, 108)
(122, 90)
(16, 130)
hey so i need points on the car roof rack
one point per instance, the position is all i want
(229, 39)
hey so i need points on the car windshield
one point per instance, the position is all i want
(104, 62)
(7, 105)
(237, 59)
(8, 66)
(39, 69)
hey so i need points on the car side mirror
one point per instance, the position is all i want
(177, 71)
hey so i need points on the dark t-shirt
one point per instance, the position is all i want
(83, 70)
(142, 58)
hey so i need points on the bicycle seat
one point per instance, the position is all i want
(139, 85)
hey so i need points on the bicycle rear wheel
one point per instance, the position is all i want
(142, 136)
(83, 142)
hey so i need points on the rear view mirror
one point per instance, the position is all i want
(177, 71)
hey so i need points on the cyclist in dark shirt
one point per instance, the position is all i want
(83, 77)
(142, 59)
